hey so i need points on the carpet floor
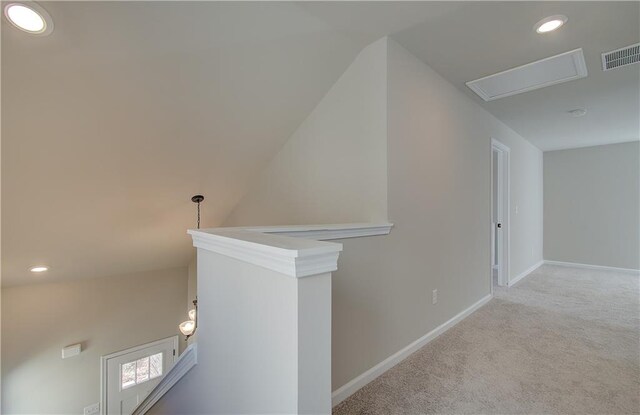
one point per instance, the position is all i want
(561, 341)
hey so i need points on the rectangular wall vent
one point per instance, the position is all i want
(539, 74)
(621, 57)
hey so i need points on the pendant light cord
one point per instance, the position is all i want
(198, 199)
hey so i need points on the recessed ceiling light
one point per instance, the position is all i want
(29, 17)
(578, 112)
(551, 23)
(39, 268)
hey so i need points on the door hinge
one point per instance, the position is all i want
(174, 352)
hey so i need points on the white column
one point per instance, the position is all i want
(264, 324)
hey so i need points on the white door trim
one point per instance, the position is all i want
(104, 360)
(504, 152)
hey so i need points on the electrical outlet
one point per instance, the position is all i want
(92, 409)
(434, 296)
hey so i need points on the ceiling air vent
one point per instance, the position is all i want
(621, 57)
(549, 71)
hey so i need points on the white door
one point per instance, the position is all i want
(500, 159)
(130, 375)
(495, 258)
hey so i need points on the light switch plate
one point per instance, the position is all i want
(434, 296)
(92, 409)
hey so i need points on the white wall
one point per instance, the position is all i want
(440, 140)
(341, 146)
(104, 314)
(439, 162)
(592, 205)
(438, 156)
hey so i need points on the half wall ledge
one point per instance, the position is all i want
(296, 250)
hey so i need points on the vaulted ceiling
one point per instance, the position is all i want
(127, 109)
(112, 123)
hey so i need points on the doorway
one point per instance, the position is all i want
(500, 168)
(128, 376)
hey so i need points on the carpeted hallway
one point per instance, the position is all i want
(562, 341)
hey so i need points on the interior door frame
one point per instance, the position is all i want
(504, 181)
(104, 361)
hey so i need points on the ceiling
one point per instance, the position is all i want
(112, 123)
(127, 109)
(481, 39)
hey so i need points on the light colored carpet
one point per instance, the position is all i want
(562, 341)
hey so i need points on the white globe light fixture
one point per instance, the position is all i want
(188, 328)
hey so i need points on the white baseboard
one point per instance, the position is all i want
(353, 385)
(597, 267)
(523, 274)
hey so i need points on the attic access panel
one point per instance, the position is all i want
(535, 75)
